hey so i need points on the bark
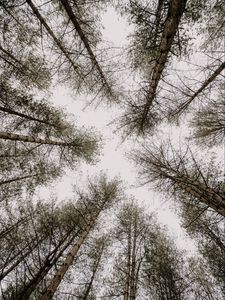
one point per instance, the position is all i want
(16, 113)
(85, 41)
(175, 12)
(127, 283)
(19, 178)
(55, 282)
(30, 139)
(206, 83)
(50, 32)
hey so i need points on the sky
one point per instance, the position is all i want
(114, 159)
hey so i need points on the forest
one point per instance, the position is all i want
(98, 100)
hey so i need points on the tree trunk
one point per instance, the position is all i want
(205, 194)
(127, 283)
(16, 113)
(49, 262)
(133, 263)
(30, 139)
(182, 107)
(11, 57)
(19, 178)
(201, 191)
(85, 297)
(85, 41)
(54, 283)
(16, 225)
(175, 12)
(50, 32)
(18, 261)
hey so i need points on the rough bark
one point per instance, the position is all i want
(50, 32)
(175, 12)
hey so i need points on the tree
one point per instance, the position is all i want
(102, 195)
(163, 19)
(65, 233)
(185, 95)
(180, 174)
(87, 271)
(130, 231)
(20, 58)
(37, 141)
(201, 284)
(163, 269)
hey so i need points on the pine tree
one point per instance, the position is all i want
(157, 27)
(102, 195)
(178, 174)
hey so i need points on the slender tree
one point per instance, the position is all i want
(102, 195)
(164, 267)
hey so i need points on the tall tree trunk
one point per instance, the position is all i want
(85, 41)
(175, 12)
(50, 32)
(16, 113)
(207, 82)
(127, 283)
(55, 282)
(30, 139)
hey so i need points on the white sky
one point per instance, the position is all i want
(113, 160)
